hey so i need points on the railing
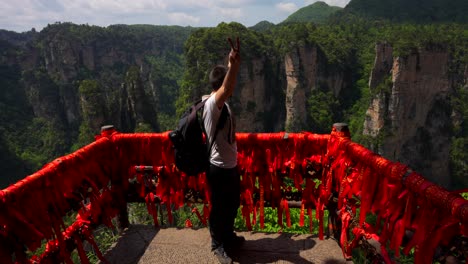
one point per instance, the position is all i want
(330, 173)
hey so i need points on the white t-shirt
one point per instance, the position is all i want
(224, 151)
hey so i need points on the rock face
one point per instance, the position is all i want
(383, 64)
(305, 71)
(408, 120)
(411, 114)
(93, 106)
(59, 86)
(253, 100)
(376, 113)
(297, 87)
(136, 104)
(65, 59)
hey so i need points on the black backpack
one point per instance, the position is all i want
(190, 147)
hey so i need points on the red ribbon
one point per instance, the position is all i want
(384, 188)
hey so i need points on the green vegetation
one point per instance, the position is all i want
(141, 78)
(138, 214)
(262, 26)
(167, 72)
(58, 86)
(49, 109)
(458, 151)
(93, 108)
(322, 106)
(271, 222)
(429, 11)
(207, 47)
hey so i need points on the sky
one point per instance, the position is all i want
(23, 15)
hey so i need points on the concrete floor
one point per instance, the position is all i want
(145, 244)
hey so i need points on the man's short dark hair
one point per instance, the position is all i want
(217, 75)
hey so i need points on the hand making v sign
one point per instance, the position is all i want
(234, 55)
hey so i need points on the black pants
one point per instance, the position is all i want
(225, 200)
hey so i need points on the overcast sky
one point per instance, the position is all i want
(22, 15)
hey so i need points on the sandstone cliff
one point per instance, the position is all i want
(301, 72)
(64, 83)
(307, 70)
(410, 115)
(254, 98)
(69, 54)
(59, 86)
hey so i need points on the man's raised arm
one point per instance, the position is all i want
(227, 88)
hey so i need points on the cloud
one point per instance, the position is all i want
(234, 2)
(232, 13)
(341, 3)
(22, 15)
(286, 7)
(240, 3)
(115, 6)
(26, 14)
(180, 18)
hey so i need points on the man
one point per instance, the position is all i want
(223, 177)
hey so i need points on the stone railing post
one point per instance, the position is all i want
(341, 130)
(119, 193)
(334, 223)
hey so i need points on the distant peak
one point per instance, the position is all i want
(320, 3)
(317, 12)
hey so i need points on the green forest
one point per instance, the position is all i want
(59, 85)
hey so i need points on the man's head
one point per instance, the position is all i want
(216, 77)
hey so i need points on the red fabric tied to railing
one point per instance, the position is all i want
(264, 159)
(32, 209)
(326, 169)
(401, 199)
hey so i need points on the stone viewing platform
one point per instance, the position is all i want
(144, 245)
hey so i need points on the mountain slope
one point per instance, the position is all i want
(59, 86)
(317, 12)
(262, 26)
(416, 11)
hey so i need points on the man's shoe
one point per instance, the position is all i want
(223, 258)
